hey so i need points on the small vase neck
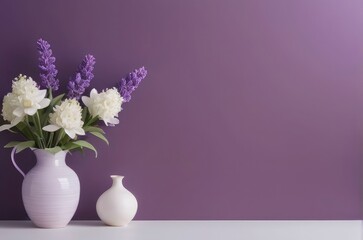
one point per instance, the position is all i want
(46, 158)
(117, 180)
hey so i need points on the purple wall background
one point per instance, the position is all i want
(251, 110)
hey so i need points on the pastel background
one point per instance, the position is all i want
(252, 109)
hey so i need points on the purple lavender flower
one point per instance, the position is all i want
(127, 85)
(76, 87)
(48, 73)
(82, 78)
(86, 68)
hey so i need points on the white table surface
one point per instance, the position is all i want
(188, 230)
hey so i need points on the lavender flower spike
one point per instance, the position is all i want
(48, 73)
(127, 85)
(82, 78)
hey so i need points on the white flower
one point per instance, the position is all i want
(67, 115)
(10, 102)
(22, 85)
(106, 105)
(30, 97)
(25, 99)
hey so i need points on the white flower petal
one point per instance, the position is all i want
(30, 111)
(70, 133)
(41, 93)
(16, 121)
(93, 93)
(10, 102)
(19, 112)
(5, 127)
(24, 86)
(44, 103)
(36, 106)
(86, 101)
(114, 121)
(79, 131)
(51, 128)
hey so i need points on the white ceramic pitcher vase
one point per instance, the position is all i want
(50, 190)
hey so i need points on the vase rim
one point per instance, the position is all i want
(44, 149)
(113, 176)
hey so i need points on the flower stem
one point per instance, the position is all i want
(50, 140)
(39, 128)
(50, 94)
(34, 136)
(60, 136)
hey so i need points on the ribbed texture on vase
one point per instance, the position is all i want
(51, 191)
(51, 211)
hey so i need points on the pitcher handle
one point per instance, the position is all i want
(14, 163)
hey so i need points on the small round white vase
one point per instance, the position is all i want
(117, 206)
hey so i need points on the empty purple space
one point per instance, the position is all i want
(252, 109)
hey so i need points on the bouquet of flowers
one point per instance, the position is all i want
(57, 123)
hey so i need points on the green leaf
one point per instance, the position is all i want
(65, 139)
(86, 144)
(70, 146)
(23, 145)
(93, 129)
(22, 128)
(92, 120)
(100, 136)
(54, 150)
(84, 114)
(11, 144)
(56, 100)
(12, 131)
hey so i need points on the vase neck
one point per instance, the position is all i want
(46, 158)
(117, 180)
